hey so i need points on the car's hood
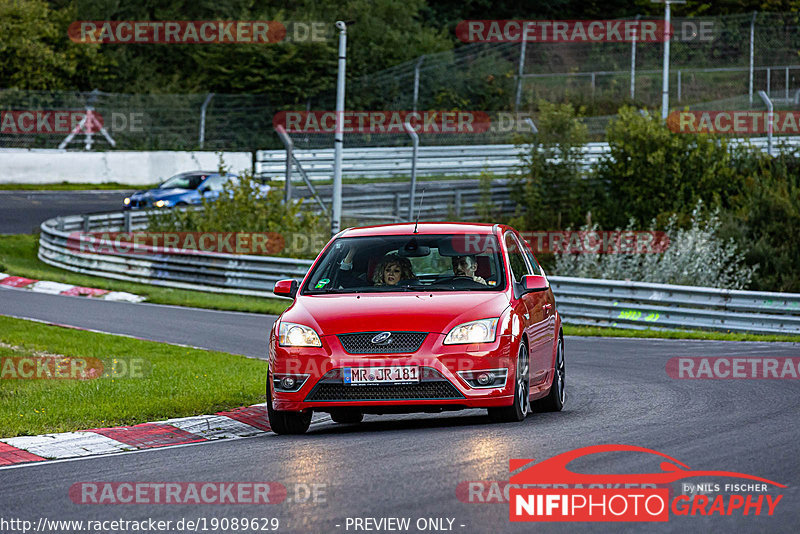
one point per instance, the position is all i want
(157, 194)
(369, 312)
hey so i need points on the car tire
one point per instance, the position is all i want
(522, 391)
(283, 422)
(347, 416)
(554, 401)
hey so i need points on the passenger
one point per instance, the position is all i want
(466, 266)
(391, 270)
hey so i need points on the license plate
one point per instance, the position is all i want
(380, 375)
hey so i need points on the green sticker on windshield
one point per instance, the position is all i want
(321, 283)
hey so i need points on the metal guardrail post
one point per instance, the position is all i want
(126, 221)
(458, 203)
(86, 223)
(60, 224)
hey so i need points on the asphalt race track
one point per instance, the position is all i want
(411, 465)
(22, 212)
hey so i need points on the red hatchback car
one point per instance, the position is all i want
(417, 318)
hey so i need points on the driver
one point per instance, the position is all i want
(466, 266)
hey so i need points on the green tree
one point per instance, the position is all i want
(35, 52)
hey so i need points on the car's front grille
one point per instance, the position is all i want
(398, 342)
(432, 386)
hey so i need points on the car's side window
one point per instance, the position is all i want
(535, 267)
(516, 259)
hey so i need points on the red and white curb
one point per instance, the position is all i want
(242, 422)
(57, 288)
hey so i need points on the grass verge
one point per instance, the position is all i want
(18, 256)
(172, 381)
(602, 331)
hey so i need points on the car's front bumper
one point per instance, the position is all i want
(440, 385)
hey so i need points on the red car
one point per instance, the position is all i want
(417, 318)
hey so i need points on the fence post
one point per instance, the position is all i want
(416, 81)
(520, 72)
(412, 190)
(786, 89)
(769, 82)
(126, 221)
(203, 108)
(770, 119)
(633, 61)
(752, 37)
(679, 86)
(289, 144)
(86, 224)
(593, 86)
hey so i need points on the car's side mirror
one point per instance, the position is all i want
(285, 288)
(533, 283)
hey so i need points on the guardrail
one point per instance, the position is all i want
(580, 301)
(463, 160)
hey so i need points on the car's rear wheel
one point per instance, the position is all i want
(347, 416)
(554, 401)
(283, 422)
(522, 391)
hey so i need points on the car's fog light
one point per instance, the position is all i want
(287, 382)
(484, 379)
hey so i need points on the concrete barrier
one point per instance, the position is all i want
(47, 166)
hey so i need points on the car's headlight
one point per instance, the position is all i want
(161, 203)
(297, 335)
(482, 331)
(126, 201)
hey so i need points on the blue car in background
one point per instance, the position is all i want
(184, 189)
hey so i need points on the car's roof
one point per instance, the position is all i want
(423, 228)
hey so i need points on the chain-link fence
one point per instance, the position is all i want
(716, 63)
(40, 119)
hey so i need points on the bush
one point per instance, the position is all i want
(551, 192)
(244, 207)
(765, 218)
(654, 172)
(696, 256)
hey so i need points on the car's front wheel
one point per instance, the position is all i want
(554, 401)
(522, 391)
(283, 422)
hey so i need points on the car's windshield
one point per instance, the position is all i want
(408, 263)
(184, 181)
